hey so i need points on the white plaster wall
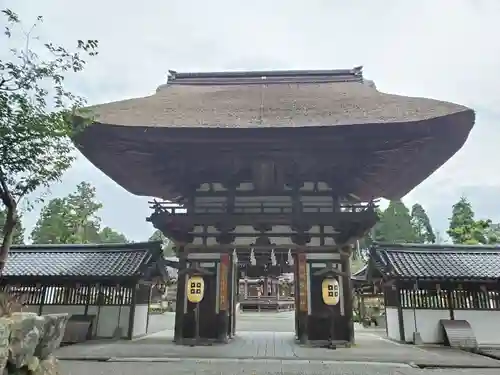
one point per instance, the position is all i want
(484, 323)
(106, 321)
(140, 320)
(393, 331)
(427, 324)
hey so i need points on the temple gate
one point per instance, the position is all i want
(271, 170)
(299, 222)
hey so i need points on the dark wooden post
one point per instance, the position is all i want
(303, 296)
(223, 298)
(135, 289)
(348, 297)
(179, 300)
(42, 301)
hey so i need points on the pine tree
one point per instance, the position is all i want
(464, 229)
(422, 225)
(74, 219)
(395, 224)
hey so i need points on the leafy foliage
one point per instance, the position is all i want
(35, 118)
(493, 233)
(464, 229)
(168, 245)
(74, 219)
(395, 224)
(422, 225)
(108, 235)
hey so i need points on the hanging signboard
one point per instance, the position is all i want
(302, 271)
(195, 289)
(223, 278)
(330, 291)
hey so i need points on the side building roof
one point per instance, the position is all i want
(102, 262)
(436, 262)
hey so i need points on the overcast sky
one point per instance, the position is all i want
(440, 49)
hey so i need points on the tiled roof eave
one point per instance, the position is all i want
(85, 263)
(53, 279)
(443, 278)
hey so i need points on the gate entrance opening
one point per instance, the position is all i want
(272, 251)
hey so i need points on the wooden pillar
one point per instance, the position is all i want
(400, 312)
(88, 288)
(223, 316)
(348, 298)
(450, 304)
(180, 298)
(361, 307)
(303, 310)
(236, 293)
(137, 297)
(42, 300)
(233, 286)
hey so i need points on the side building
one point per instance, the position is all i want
(439, 294)
(105, 288)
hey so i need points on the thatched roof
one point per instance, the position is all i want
(282, 99)
(381, 145)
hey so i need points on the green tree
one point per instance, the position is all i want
(18, 232)
(35, 118)
(72, 219)
(108, 235)
(464, 229)
(422, 225)
(395, 224)
(51, 227)
(168, 245)
(493, 233)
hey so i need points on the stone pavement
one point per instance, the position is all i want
(279, 345)
(187, 367)
(265, 345)
(272, 338)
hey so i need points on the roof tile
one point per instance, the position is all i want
(438, 262)
(77, 261)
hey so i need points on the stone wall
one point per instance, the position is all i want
(27, 342)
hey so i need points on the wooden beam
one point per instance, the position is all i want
(247, 248)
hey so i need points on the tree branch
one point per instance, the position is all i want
(6, 196)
